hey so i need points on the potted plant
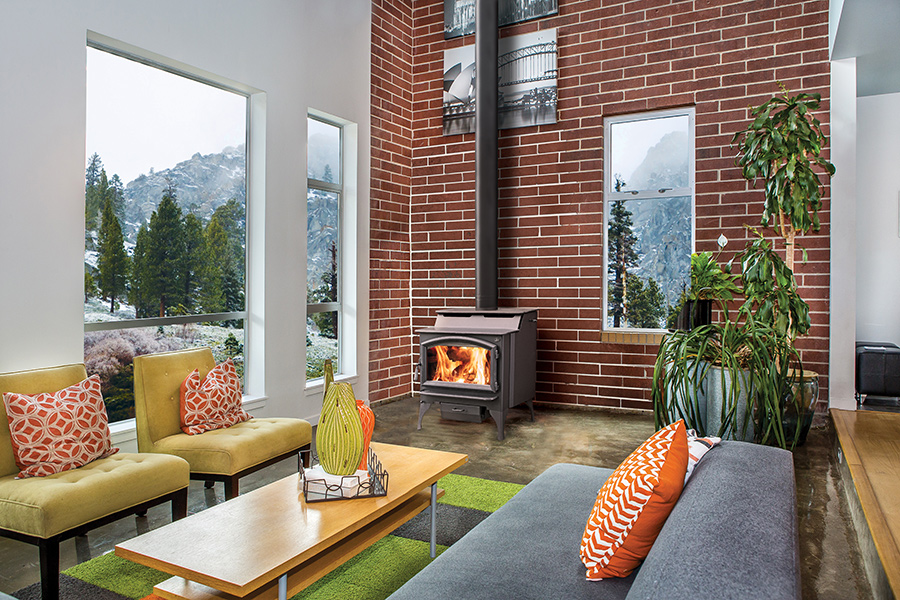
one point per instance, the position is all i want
(709, 283)
(725, 379)
(783, 148)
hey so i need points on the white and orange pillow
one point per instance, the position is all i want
(214, 402)
(697, 448)
(52, 433)
(634, 503)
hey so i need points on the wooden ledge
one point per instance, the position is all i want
(869, 445)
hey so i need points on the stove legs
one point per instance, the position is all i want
(499, 419)
(423, 408)
(530, 404)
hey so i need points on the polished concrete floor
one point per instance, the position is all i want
(829, 552)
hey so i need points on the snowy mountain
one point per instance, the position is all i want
(202, 183)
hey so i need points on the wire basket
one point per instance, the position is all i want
(350, 487)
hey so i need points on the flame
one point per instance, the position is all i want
(460, 364)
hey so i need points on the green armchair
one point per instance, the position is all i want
(221, 454)
(43, 511)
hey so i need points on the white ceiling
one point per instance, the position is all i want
(870, 31)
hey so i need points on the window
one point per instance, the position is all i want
(649, 210)
(165, 218)
(324, 289)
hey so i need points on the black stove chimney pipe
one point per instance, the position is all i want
(486, 147)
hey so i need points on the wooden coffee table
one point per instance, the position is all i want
(270, 543)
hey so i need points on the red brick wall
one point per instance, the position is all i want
(390, 371)
(614, 58)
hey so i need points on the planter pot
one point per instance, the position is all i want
(688, 402)
(694, 313)
(800, 407)
(727, 393)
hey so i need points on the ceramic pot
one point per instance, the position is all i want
(367, 419)
(800, 406)
(727, 394)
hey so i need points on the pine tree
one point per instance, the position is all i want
(90, 288)
(117, 190)
(140, 277)
(232, 218)
(164, 253)
(93, 199)
(327, 175)
(646, 304)
(192, 260)
(215, 262)
(112, 264)
(622, 256)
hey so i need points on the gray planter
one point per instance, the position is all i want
(726, 392)
(689, 399)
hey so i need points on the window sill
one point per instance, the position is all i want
(632, 337)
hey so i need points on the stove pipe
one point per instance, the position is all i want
(486, 146)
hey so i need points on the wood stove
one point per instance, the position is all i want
(474, 360)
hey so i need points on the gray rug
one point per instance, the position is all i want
(70, 589)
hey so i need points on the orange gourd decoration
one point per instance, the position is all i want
(367, 417)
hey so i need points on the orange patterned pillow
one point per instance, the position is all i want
(634, 503)
(213, 403)
(56, 432)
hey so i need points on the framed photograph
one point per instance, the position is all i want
(459, 15)
(527, 88)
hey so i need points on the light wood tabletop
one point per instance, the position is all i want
(240, 548)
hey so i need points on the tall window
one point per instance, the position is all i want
(323, 246)
(649, 217)
(165, 218)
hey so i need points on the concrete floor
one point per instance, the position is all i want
(829, 552)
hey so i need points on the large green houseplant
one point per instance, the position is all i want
(782, 146)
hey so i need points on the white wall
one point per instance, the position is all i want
(842, 324)
(878, 219)
(301, 53)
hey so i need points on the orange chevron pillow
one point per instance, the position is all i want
(634, 503)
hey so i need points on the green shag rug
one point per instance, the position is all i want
(373, 574)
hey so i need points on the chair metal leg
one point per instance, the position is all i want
(49, 555)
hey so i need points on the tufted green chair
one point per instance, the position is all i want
(221, 454)
(46, 510)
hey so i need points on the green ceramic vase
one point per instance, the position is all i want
(339, 435)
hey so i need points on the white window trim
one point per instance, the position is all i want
(254, 397)
(348, 286)
(610, 196)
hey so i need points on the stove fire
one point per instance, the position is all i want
(459, 364)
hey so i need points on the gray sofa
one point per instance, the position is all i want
(732, 534)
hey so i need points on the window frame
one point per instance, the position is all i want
(251, 97)
(610, 196)
(96, 44)
(338, 189)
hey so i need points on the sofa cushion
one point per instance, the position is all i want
(733, 533)
(55, 432)
(233, 449)
(46, 506)
(633, 504)
(527, 549)
(213, 403)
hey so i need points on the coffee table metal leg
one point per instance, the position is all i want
(433, 519)
(282, 587)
